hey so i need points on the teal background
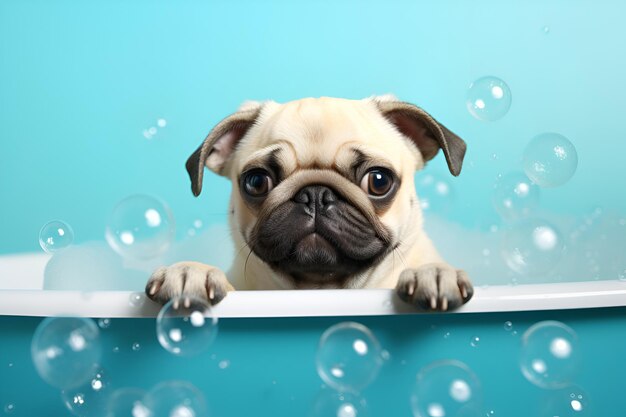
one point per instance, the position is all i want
(80, 81)
(261, 351)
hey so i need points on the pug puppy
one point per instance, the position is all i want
(323, 196)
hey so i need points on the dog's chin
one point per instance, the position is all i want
(315, 260)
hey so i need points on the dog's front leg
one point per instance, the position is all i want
(431, 283)
(188, 279)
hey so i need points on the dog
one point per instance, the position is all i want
(323, 196)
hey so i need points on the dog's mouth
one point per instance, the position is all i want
(325, 248)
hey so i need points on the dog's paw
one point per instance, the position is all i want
(188, 279)
(435, 286)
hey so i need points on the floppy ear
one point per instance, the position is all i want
(424, 131)
(220, 144)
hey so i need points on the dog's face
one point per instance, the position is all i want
(323, 188)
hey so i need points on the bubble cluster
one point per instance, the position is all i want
(549, 354)
(348, 357)
(152, 130)
(66, 350)
(572, 401)
(186, 326)
(55, 235)
(488, 98)
(532, 248)
(91, 398)
(435, 193)
(140, 227)
(550, 159)
(515, 196)
(175, 399)
(446, 388)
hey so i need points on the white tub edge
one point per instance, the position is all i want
(318, 303)
(32, 301)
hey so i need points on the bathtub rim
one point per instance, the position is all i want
(317, 303)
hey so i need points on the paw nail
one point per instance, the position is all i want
(176, 304)
(444, 304)
(433, 303)
(153, 289)
(464, 292)
(410, 289)
(211, 293)
(187, 302)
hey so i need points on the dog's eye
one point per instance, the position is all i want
(377, 182)
(257, 183)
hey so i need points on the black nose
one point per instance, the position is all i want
(315, 198)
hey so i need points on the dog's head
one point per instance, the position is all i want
(323, 188)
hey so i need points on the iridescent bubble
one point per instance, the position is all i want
(446, 388)
(127, 402)
(348, 357)
(136, 299)
(549, 355)
(91, 398)
(339, 404)
(474, 341)
(175, 399)
(515, 196)
(532, 248)
(508, 326)
(572, 401)
(9, 408)
(55, 235)
(104, 323)
(435, 193)
(550, 159)
(488, 98)
(66, 350)
(186, 326)
(140, 227)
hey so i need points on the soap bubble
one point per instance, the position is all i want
(66, 350)
(91, 398)
(136, 299)
(348, 357)
(175, 399)
(515, 196)
(186, 326)
(339, 404)
(549, 355)
(446, 388)
(127, 402)
(488, 98)
(568, 402)
(55, 235)
(435, 193)
(475, 341)
(532, 248)
(140, 227)
(550, 159)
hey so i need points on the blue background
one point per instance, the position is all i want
(80, 81)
